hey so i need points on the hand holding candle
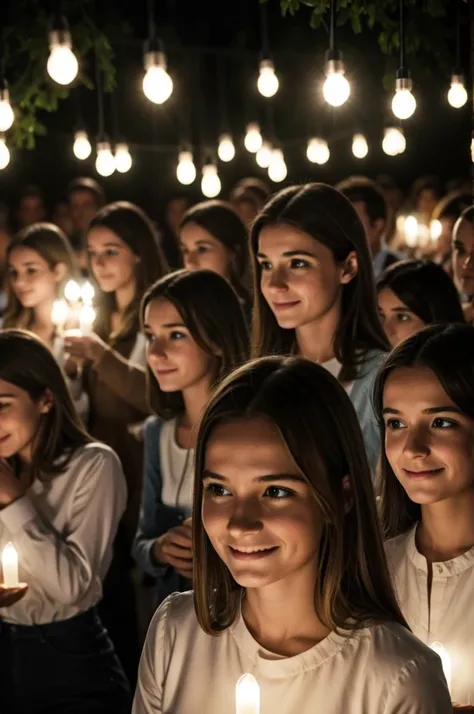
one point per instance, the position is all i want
(247, 695)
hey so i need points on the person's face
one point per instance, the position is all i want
(176, 360)
(31, 210)
(300, 279)
(20, 418)
(83, 207)
(398, 321)
(175, 211)
(113, 263)
(373, 230)
(200, 249)
(429, 442)
(62, 217)
(32, 280)
(463, 257)
(257, 509)
(247, 210)
(426, 202)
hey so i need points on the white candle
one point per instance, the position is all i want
(10, 566)
(59, 314)
(247, 695)
(445, 658)
(87, 293)
(86, 319)
(72, 291)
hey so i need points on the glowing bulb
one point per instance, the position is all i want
(336, 88)
(226, 149)
(277, 170)
(7, 116)
(403, 102)
(186, 170)
(317, 151)
(436, 229)
(157, 84)
(410, 228)
(105, 161)
(4, 154)
(210, 183)
(457, 95)
(123, 159)
(267, 82)
(87, 317)
(62, 63)
(87, 293)
(472, 149)
(82, 147)
(247, 695)
(360, 148)
(59, 313)
(72, 291)
(10, 566)
(253, 139)
(264, 155)
(394, 141)
(445, 658)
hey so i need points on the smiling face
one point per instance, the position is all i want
(200, 249)
(300, 279)
(113, 263)
(32, 280)
(429, 442)
(258, 510)
(398, 321)
(20, 418)
(463, 257)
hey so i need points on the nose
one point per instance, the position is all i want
(245, 518)
(191, 261)
(416, 443)
(277, 280)
(156, 352)
(468, 261)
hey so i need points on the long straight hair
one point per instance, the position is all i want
(327, 216)
(318, 424)
(448, 351)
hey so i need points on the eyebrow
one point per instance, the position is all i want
(290, 254)
(167, 325)
(29, 263)
(400, 309)
(108, 245)
(430, 410)
(267, 478)
(202, 241)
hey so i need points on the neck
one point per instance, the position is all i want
(195, 399)
(125, 295)
(315, 340)
(42, 314)
(447, 528)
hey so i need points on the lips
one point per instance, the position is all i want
(285, 305)
(419, 475)
(164, 372)
(255, 553)
(4, 438)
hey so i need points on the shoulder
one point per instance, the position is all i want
(175, 620)
(156, 427)
(396, 549)
(370, 363)
(96, 457)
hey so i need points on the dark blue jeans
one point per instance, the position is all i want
(67, 667)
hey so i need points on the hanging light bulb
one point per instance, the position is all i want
(264, 155)
(4, 153)
(7, 116)
(336, 88)
(62, 63)
(360, 148)
(403, 102)
(317, 151)
(394, 141)
(226, 148)
(210, 183)
(253, 139)
(457, 95)
(186, 170)
(157, 84)
(82, 146)
(277, 170)
(472, 149)
(123, 159)
(267, 82)
(105, 162)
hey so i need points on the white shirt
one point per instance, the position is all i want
(177, 469)
(376, 670)
(334, 367)
(446, 617)
(63, 530)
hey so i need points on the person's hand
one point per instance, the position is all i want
(84, 348)
(10, 487)
(175, 548)
(9, 596)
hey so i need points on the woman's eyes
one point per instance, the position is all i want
(177, 335)
(109, 253)
(403, 317)
(295, 264)
(437, 423)
(394, 424)
(4, 406)
(276, 492)
(215, 489)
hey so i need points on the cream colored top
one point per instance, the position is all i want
(377, 670)
(177, 470)
(446, 617)
(63, 530)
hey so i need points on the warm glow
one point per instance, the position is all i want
(267, 82)
(277, 170)
(210, 183)
(403, 103)
(4, 154)
(253, 139)
(247, 695)
(62, 63)
(82, 147)
(317, 151)
(157, 84)
(226, 148)
(10, 566)
(105, 161)
(123, 158)
(186, 170)
(7, 116)
(336, 88)
(445, 658)
(410, 228)
(360, 148)
(394, 141)
(435, 230)
(87, 317)
(59, 313)
(87, 293)
(264, 155)
(72, 291)
(457, 95)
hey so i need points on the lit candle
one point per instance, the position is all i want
(445, 658)
(247, 695)
(72, 291)
(10, 566)
(86, 319)
(59, 314)
(87, 293)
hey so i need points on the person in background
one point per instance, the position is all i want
(392, 192)
(291, 582)
(30, 207)
(425, 193)
(175, 209)
(463, 260)
(372, 209)
(248, 198)
(85, 196)
(196, 335)
(413, 294)
(62, 216)
(447, 212)
(61, 498)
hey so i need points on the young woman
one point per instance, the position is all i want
(292, 584)
(61, 498)
(463, 260)
(196, 335)
(314, 292)
(425, 396)
(414, 293)
(124, 260)
(213, 236)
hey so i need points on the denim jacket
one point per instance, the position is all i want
(362, 398)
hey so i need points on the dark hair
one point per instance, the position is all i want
(467, 214)
(211, 311)
(363, 189)
(224, 224)
(134, 228)
(324, 438)
(452, 205)
(426, 183)
(425, 288)
(323, 213)
(448, 351)
(253, 190)
(84, 183)
(29, 191)
(27, 362)
(53, 246)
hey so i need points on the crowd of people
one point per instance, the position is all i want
(258, 459)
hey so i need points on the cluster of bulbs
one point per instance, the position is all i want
(106, 162)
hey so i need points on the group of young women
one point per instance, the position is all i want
(257, 480)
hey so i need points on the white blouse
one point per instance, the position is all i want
(376, 670)
(447, 616)
(63, 530)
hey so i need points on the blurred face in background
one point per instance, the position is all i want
(398, 320)
(32, 279)
(31, 210)
(374, 230)
(200, 249)
(463, 257)
(113, 263)
(175, 210)
(83, 206)
(62, 217)
(426, 202)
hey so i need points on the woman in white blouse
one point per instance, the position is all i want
(290, 583)
(61, 498)
(425, 395)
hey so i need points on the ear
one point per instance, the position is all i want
(60, 272)
(46, 402)
(348, 497)
(350, 268)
